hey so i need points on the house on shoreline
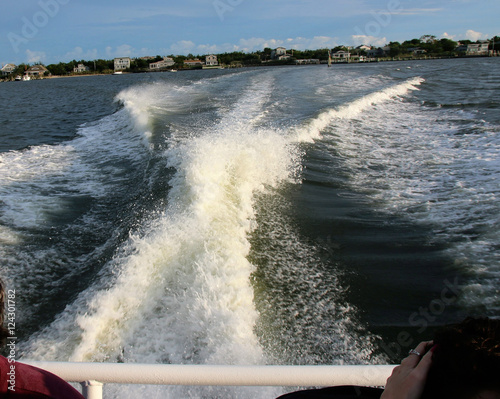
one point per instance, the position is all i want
(211, 60)
(479, 48)
(7, 69)
(341, 56)
(167, 62)
(193, 63)
(37, 71)
(409, 50)
(81, 68)
(280, 54)
(379, 52)
(122, 63)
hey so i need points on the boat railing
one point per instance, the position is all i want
(92, 376)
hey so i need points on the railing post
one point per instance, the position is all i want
(92, 389)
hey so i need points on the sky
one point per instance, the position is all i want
(52, 31)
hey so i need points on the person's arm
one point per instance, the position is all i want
(408, 379)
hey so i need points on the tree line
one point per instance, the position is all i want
(427, 43)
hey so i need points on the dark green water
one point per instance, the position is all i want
(299, 215)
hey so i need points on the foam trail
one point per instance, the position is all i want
(312, 130)
(181, 289)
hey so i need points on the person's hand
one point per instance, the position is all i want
(408, 380)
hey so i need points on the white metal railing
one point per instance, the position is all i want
(92, 376)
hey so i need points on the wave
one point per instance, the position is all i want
(433, 166)
(191, 259)
(181, 288)
(314, 128)
(198, 259)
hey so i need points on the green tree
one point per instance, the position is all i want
(58, 69)
(495, 43)
(20, 69)
(266, 54)
(428, 39)
(339, 48)
(448, 45)
(395, 49)
(104, 66)
(139, 65)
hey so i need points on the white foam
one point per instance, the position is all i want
(36, 182)
(8, 236)
(181, 288)
(25, 174)
(424, 164)
(314, 128)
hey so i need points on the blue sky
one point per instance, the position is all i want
(50, 31)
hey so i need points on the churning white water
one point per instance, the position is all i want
(165, 232)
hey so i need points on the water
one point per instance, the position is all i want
(297, 215)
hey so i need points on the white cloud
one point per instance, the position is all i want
(35, 56)
(258, 43)
(254, 44)
(317, 42)
(78, 54)
(369, 40)
(124, 50)
(297, 43)
(206, 49)
(447, 36)
(473, 35)
(182, 47)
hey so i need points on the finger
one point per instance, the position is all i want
(418, 376)
(413, 358)
(424, 346)
(425, 363)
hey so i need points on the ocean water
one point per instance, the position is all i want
(287, 215)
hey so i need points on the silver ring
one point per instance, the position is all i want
(414, 352)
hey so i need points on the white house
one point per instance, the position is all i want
(165, 63)
(341, 55)
(122, 63)
(211, 60)
(81, 68)
(358, 58)
(37, 70)
(479, 48)
(193, 63)
(416, 50)
(280, 51)
(279, 54)
(8, 69)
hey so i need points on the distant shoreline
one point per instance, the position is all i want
(369, 61)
